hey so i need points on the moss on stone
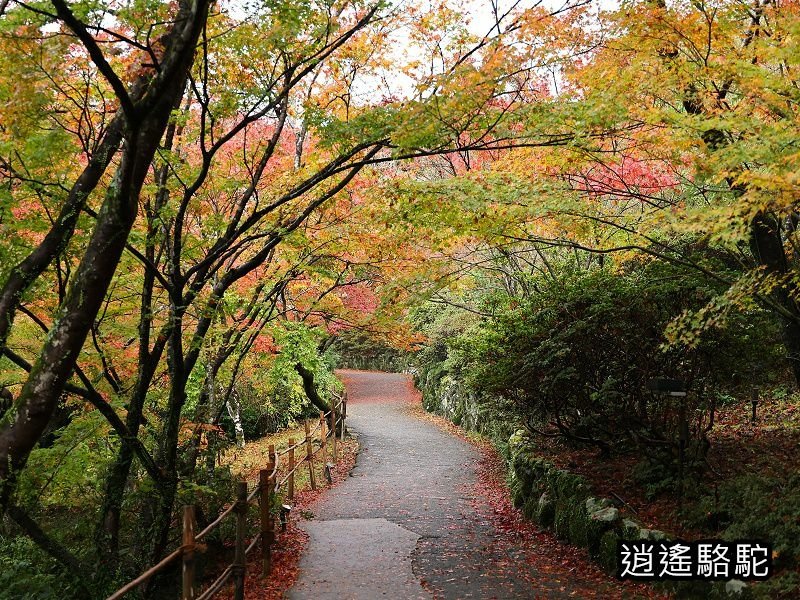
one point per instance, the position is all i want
(600, 517)
(551, 479)
(607, 551)
(531, 508)
(539, 468)
(578, 524)
(654, 535)
(571, 487)
(561, 520)
(559, 499)
(521, 464)
(546, 512)
(630, 529)
(516, 489)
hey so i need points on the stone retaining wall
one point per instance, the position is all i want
(563, 501)
(448, 397)
(552, 497)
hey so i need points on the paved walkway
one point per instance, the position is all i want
(402, 526)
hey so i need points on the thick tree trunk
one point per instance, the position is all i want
(310, 388)
(21, 427)
(766, 244)
(32, 266)
(108, 528)
(24, 424)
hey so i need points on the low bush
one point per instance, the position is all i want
(577, 357)
(764, 508)
(355, 349)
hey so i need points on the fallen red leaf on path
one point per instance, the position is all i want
(290, 544)
(491, 499)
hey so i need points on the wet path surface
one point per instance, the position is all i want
(402, 525)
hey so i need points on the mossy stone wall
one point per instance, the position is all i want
(562, 501)
(554, 498)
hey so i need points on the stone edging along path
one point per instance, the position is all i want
(562, 501)
(557, 499)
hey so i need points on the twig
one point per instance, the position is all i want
(625, 503)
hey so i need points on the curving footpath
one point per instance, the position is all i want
(402, 526)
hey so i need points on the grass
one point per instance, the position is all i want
(245, 463)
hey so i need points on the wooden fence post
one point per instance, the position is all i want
(188, 554)
(310, 457)
(240, 559)
(333, 434)
(332, 418)
(290, 490)
(323, 437)
(344, 413)
(267, 482)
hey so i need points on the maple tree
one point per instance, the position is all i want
(197, 198)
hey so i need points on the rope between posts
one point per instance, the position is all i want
(252, 545)
(316, 429)
(146, 575)
(253, 494)
(295, 446)
(280, 483)
(217, 584)
(214, 523)
(273, 475)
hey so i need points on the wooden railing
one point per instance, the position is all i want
(268, 486)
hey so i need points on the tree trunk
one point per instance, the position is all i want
(310, 388)
(108, 528)
(766, 244)
(21, 427)
(235, 412)
(29, 269)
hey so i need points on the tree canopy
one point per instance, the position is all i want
(197, 197)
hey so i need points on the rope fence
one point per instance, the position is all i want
(329, 424)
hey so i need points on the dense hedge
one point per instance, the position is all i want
(575, 358)
(358, 350)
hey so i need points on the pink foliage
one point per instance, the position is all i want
(629, 176)
(359, 299)
(265, 344)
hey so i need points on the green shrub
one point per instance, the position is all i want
(26, 572)
(354, 349)
(765, 508)
(785, 586)
(577, 356)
